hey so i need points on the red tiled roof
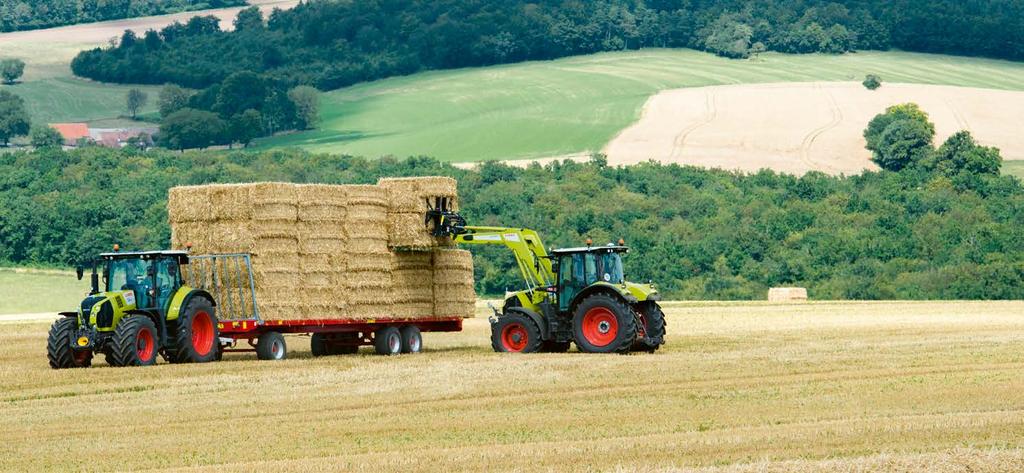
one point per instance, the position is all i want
(71, 131)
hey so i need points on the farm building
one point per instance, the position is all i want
(74, 133)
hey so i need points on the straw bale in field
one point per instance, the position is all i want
(321, 230)
(274, 201)
(366, 195)
(413, 310)
(274, 310)
(209, 203)
(453, 259)
(454, 292)
(787, 294)
(412, 260)
(321, 203)
(410, 194)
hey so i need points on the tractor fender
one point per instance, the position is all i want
(181, 299)
(535, 317)
(609, 289)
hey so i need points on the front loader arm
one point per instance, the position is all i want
(532, 258)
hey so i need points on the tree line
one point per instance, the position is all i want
(328, 44)
(18, 15)
(934, 223)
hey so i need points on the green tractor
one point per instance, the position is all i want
(572, 295)
(143, 309)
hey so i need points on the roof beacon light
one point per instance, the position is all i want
(622, 242)
(590, 241)
(117, 247)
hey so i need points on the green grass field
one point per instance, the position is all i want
(28, 291)
(753, 387)
(573, 105)
(1014, 168)
(52, 93)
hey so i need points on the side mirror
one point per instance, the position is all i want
(80, 271)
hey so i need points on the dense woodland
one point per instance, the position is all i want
(944, 227)
(331, 44)
(16, 15)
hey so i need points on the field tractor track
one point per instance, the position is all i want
(958, 115)
(710, 115)
(812, 137)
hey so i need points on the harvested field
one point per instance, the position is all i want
(739, 387)
(803, 127)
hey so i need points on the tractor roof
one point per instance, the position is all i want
(592, 249)
(180, 255)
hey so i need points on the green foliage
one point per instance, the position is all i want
(872, 82)
(173, 98)
(14, 120)
(134, 100)
(330, 44)
(900, 137)
(188, 128)
(307, 106)
(700, 234)
(16, 15)
(246, 127)
(45, 136)
(11, 70)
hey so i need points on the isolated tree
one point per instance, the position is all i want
(172, 98)
(902, 144)
(307, 106)
(757, 49)
(872, 82)
(12, 70)
(962, 154)
(249, 19)
(135, 100)
(906, 111)
(14, 119)
(45, 137)
(246, 127)
(189, 128)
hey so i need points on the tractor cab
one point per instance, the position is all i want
(580, 268)
(152, 276)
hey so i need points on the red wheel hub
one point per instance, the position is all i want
(202, 333)
(514, 337)
(144, 345)
(600, 326)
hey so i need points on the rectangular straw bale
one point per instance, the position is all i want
(275, 261)
(411, 194)
(413, 310)
(322, 263)
(366, 194)
(360, 214)
(408, 231)
(321, 230)
(275, 201)
(273, 310)
(184, 233)
(372, 278)
(412, 260)
(231, 201)
(322, 203)
(268, 278)
(274, 229)
(368, 262)
(189, 204)
(321, 246)
(367, 246)
(370, 311)
(453, 259)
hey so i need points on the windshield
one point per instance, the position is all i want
(127, 274)
(605, 267)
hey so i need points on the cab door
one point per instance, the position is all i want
(166, 282)
(571, 279)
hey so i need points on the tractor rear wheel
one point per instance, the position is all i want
(387, 341)
(652, 329)
(134, 342)
(604, 324)
(515, 333)
(58, 346)
(193, 336)
(271, 346)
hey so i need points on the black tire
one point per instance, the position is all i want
(135, 342)
(193, 337)
(58, 346)
(515, 333)
(387, 341)
(653, 331)
(412, 339)
(318, 345)
(604, 324)
(556, 347)
(271, 346)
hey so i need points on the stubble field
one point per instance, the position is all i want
(850, 386)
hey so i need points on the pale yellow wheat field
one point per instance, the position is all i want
(740, 387)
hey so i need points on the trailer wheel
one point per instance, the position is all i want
(515, 333)
(604, 324)
(193, 336)
(387, 341)
(134, 342)
(271, 346)
(58, 346)
(318, 345)
(412, 339)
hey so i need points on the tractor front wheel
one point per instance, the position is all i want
(134, 343)
(58, 346)
(604, 324)
(194, 337)
(515, 333)
(652, 329)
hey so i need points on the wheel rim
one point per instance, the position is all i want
(514, 337)
(202, 333)
(414, 344)
(394, 343)
(600, 326)
(144, 345)
(276, 349)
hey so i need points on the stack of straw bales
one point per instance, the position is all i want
(787, 294)
(324, 251)
(453, 283)
(408, 200)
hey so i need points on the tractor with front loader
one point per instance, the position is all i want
(572, 295)
(142, 309)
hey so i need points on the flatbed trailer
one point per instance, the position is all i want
(328, 336)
